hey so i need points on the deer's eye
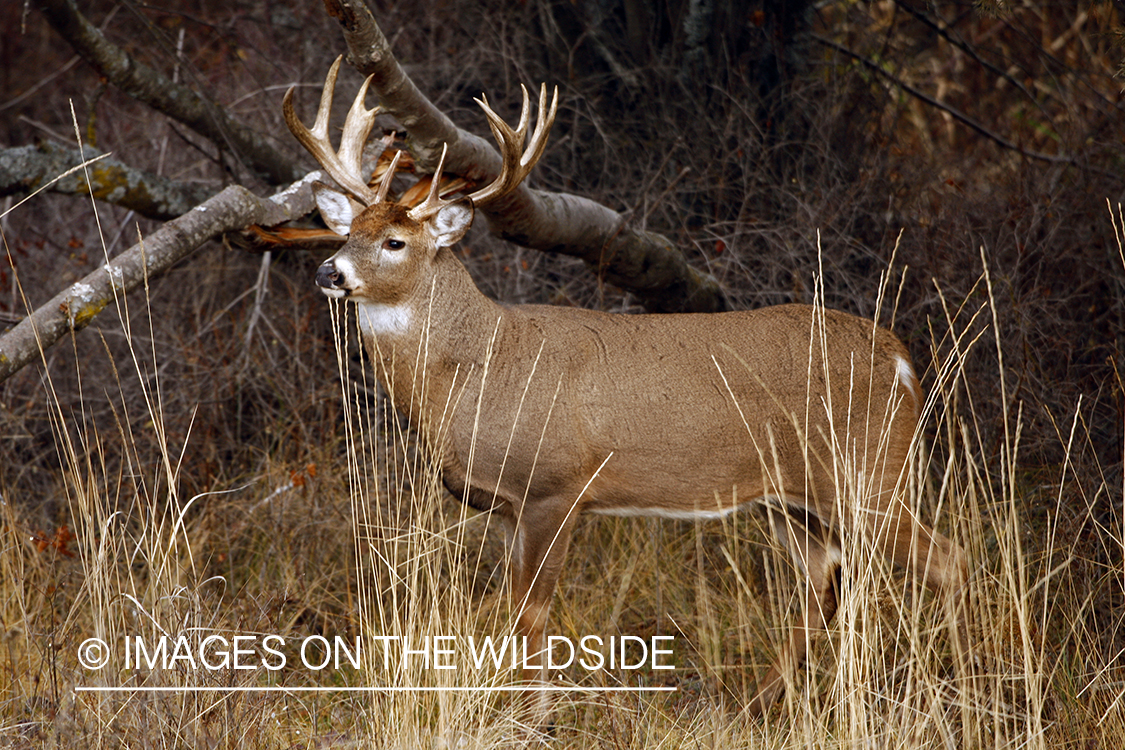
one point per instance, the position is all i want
(394, 244)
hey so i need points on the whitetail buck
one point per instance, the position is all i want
(540, 413)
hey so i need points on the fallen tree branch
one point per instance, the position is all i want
(644, 263)
(161, 93)
(25, 169)
(74, 307)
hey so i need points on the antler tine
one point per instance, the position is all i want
(344, 166)
(517, 162)
(542, 126)
(433, 202)
(357, 127)
(324, 108)
(389, 175)
(510, 143)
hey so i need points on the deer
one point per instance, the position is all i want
(538, 413)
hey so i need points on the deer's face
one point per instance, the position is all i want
(389, 255)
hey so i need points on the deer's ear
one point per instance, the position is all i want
(450, 223)
(336, 209)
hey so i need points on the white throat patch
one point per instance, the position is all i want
(383, 320)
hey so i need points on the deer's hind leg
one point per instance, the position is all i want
(934, 560)
(816, 552)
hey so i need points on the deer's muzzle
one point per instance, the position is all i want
(329, 278)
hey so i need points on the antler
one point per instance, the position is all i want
(517, 165)
(517, 162)
(433, 202)
(343, 166)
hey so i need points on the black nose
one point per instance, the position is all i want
(327, 276)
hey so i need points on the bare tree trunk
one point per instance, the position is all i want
(644, 263)
(74, 307)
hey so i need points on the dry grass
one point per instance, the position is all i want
(353, 537)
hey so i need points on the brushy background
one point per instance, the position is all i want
(209, 410)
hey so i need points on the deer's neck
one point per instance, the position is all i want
(426, 346)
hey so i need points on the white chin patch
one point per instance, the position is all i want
(337, 293)
(383, 320)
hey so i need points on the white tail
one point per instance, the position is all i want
(680, 416)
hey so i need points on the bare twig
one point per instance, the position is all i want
(161, 93)
(30, 92)
(943, 30)
(261, 286)
(959, 115)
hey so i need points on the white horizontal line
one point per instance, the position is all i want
(392, 689)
